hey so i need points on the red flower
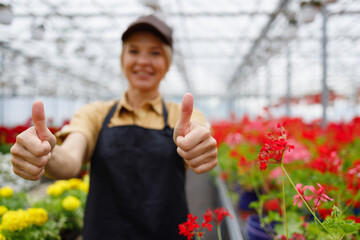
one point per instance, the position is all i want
(273, 205)
(190, 228)
(187, 228)
(273, 150)
(221, 212)
(354, 218)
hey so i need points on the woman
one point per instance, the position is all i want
(138, 147)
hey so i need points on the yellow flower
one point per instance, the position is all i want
(6, 191)
(38, 216)
(84, 186)
(57, 188)
(2, 237)
(15, 220)
(71, 203)
(86, 178)
(74, 183)
(3, 210)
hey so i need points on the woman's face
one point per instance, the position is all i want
(143, 61)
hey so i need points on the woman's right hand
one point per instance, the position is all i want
(33, 147)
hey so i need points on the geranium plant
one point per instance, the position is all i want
(273, 153)
(191, 228)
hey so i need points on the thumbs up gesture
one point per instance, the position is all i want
(32, 149)
(195, 144)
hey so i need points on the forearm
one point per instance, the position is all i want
(62, 165)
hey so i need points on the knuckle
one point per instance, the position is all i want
(213, 142)
(214, 163)
(17, 171)
(43, 161)
(186, 146)
(14, 149)
(185, 155)
(39, 151)
(198, 170)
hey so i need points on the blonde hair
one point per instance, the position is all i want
(167, 50)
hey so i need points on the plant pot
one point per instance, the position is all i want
(246, 197)
(254, 230)
(6, 15)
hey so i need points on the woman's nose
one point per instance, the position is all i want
(143, 59)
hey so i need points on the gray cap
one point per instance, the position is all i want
(152, 24)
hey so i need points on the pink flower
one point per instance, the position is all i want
(318, 195)
(297, 200)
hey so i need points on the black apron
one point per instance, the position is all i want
(137, 185)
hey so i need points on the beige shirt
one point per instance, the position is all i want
(89, 119)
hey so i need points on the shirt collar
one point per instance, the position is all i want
(156, 104)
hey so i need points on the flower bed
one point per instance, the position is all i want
(304, 172)
(58, 215)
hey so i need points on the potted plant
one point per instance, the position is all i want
(308, 10)
(6, 14)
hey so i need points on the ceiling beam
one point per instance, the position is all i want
(239, 69)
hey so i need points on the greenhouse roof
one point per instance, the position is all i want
(223, 48)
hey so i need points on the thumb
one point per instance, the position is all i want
(187, 105)
(38, 117)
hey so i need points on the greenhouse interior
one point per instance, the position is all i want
(277, 82)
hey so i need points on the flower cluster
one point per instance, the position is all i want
(318, 195)
(324, 168)
(274, 148)
(191, 228)
(62, 210)
(60, 186)
(20, 219)
(15, 220)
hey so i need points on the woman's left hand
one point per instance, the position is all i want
(195, 144)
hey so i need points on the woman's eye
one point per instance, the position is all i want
(133, 51)
(156, 53)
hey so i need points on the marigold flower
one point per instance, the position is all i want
(38, 216)
(58, 188)
(74, 183)
(3, 210)
(6, 191)
(84, 186)
(71, 203)
(15, 220)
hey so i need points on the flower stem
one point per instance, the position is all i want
(219, 231)
(306, 204)
(284, 204)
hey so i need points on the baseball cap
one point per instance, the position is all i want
(153, 24)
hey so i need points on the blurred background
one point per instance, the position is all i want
(254, 58)
(268, 58)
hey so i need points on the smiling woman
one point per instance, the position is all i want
(139, 146)
(144, 62)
